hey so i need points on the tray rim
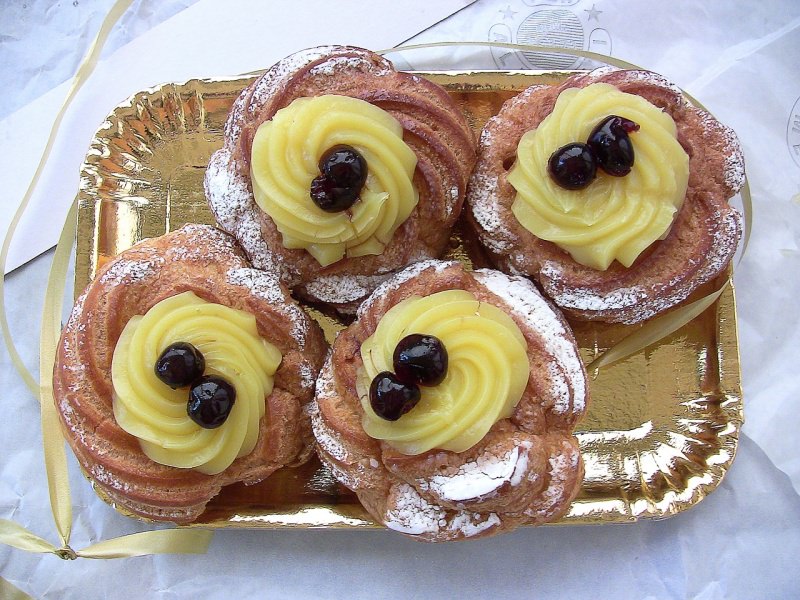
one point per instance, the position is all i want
(730, 378)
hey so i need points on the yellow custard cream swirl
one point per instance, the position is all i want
(285, 159)
(613, 217)
(147, 408)
(486, 376)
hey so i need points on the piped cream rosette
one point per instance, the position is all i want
(284, 161)
(487, 373)
(147, 408)
(613, 217)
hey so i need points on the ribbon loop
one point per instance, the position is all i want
(160, 541)
(13, 534)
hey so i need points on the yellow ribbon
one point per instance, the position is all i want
(658, 328)
(180, 541)
(55, 458)
(8, 591)
(191, 541)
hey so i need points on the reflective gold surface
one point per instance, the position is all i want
(662, 426)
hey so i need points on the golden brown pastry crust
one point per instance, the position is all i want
(206, 261)
(699, 246)
(433, 127)
(526, 470)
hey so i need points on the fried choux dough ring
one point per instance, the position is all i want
(131, 432)
(603, 264)
(419, 152)
(487, 449)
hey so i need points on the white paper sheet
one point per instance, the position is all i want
(740, 542)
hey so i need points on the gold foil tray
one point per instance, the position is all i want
(662, 426)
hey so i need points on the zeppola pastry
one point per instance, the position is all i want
(338, 170)
(610, 190)
(182, 370)
(448, 406)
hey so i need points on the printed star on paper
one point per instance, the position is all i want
(508, 13)
(593, 13)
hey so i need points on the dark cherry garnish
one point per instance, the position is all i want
(322, 194)
(345, 166)
(612, 146)
(572, 166)
(179, 365)
(343, 174)
(210, 401)
(420, 359)
(390, 398)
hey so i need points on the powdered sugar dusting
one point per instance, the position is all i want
(588, 299)
(235, 209)
(341, 289)
(70, 420)
(560, 387)
(266, 285)
(521, 467)
(307, 379)
(734, 172)
(470, 524)
(646, 77)
(524, 300)
(233, 124)
(325, 378)
(72, 364)
(74, 321)
(399, 278)
(561, 466)
(348, 479)
(360, 471)
(487, 135)
(330, 66)
(130, 271)
(281, 71)
(252, 99)
(107, 478)
(482, 195)
(263, 284)
(604, 70)
(326, 438)
(633, 302)
(453, 195)
(202, 243)
(226, 190)
(486, 211)
(413, 514)
(480, 478)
